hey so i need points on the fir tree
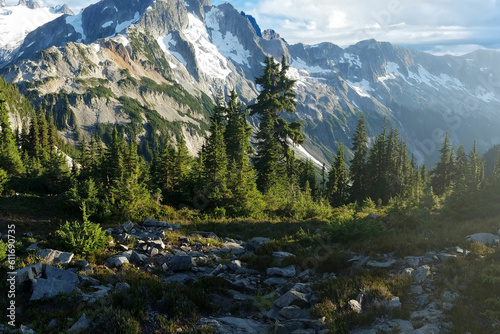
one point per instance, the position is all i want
(338, 180)
(357, 169)
(10, 159)
(442, 174)
(276, 96)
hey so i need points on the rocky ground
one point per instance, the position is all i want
(278, 300)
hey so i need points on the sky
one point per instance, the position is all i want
(436, 26)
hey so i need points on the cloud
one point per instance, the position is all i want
(430, 25)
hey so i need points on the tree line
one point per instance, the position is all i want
(237, 173)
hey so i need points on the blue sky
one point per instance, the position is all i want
(436, 26)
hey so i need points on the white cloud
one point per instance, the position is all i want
(431, 25)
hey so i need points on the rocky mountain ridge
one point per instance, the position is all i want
(208, 50)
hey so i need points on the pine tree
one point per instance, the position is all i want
(10, 159)
(338, 180)
(442, 174)
(357, 169)
(308, 177)
(180, 165)
(475, 173)
(276, 96)
(215, 168)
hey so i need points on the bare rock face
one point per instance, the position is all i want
(29, 3)
(270, 34)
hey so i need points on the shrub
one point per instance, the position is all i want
(82, 238)
(3, 250)
(3, 180)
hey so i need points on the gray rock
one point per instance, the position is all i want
(234, 265)
(254, 243)
(32, 247)
(416, 289)
(413, 261)
(431, 314)
(421, 273)
(427, 329)
(183, 278)
(295, 312)
(122, 286)
(128, 226)
(50, 288)
(273, 281)
(153, 251)
(423, 300)
(292, 298)
(484, 238)
(136, 258)
(394, 304)
(449, 296)
(180, 263)
(116, 261)
(407, 271)
(233, 246)
(157, 244)
(443, 257)
(372, 216)
(228, 325)
(82, 324)
(28, 274)
(60, 274)
(282, 272)
(379, 264)
(52, 323)
(354, 306)
(26, 330)
(282, 255)
(54, 256)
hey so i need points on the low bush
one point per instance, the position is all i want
(82, 238)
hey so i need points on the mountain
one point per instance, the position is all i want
(146, 65)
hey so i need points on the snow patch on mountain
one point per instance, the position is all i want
(352, 60)
(208, 57)
(165, 43)
(107, 24)
(16, 22)
(125, 24)
(76, 22)
(391, 73)
(228, 44)
(361, 87)
(302, 65)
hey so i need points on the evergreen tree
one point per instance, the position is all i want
(273, 150)
(180, 165)
(10, 159)
(357, 169)
(307, 178)
(442, 174)
(338, 180)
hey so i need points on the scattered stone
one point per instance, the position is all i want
(29, 274)
(183, 278)
(128, 226)
(416, 289)
(273, 281)
(122, 286)
(282, 255)
(82, 324)
(421, 273)
(443, 257)
(484, 238)
(377, 264)
(235, 325)
(428, 329)
(295, 312)
(449, 296)
(55, 257)
(394, 303)
(26, 330)
(33, 246)
(291, 298)
(281, 272)
(50, 288)
(52, 323)
(372, 216)
(116, 261)
(234, 265)
(50, 273)
(354, 306)
(255, 243)
(180, 263)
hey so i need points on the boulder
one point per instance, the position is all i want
(380, 264)
(427, 329)
(294, 312)
(50, 288)
(291, 298)
(234, 265)
(272, 281)
(394, 303)
(116, 261)
(55, 257)
(82, 324)
(29, 274)
(354, 306)
(484, 238)
(60, 274)
(421, 273)
(281, 272)
(282, 255)
(128, 226)
(254, 243)
(180, 262)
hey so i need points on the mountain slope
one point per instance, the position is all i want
(202, 51)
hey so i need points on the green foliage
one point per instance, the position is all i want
(4, 178)
(3, 250)
(82, 238)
